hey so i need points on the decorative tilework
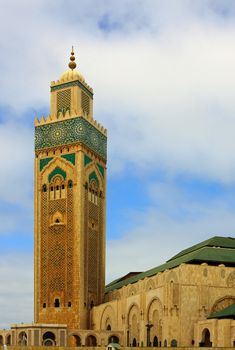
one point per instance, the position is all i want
(70, 157)
(70, 131)
(44, 162)
(101, 169)
(57, 171)
(87, 160)
(72, 83)
(93, 176)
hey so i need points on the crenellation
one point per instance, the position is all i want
(70, 115)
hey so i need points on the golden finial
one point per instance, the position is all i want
(72, 65)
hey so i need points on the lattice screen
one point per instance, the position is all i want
(63, 100)
(85, 102)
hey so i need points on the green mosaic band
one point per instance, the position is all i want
(74, 130)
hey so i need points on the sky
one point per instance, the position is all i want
(163, 74)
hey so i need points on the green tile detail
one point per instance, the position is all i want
(87, 160)
(228, 312)
(57, 171)
(70, 131)
(44, 162)
(101, 169)
(70, 157)
(70, 84)
(93, 176)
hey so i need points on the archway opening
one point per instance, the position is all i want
(75, 340)
(91, 340)
(155, 341)
(108, 328)
(57, 302)
(1, 340)
(174, 343)
(113, 339)
(206, 341)
(22, 339)
(8, 340)
(49, 339)
(134, 342)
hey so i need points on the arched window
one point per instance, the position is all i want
(91, 341)
(93, 192)
(174, 343)
(70, 184)
(155, 341)
(206, 341)
(75, 340)
(44, 188)
(22, 339)
(8, 340)
(57, 187)
(49, 339)
(114, 339)
(57, 303)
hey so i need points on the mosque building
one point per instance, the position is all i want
(188, 301)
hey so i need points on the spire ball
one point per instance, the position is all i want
(72, 65)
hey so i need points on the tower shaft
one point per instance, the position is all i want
(70, 188)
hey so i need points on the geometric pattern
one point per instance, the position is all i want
(94, 177)
(63, 100)
(70, 157)
(56, 171)
(70, 84)
(74, 130)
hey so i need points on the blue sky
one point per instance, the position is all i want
(163, 73)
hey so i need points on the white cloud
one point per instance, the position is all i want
(173, 222)
(167, 93)
(16, 175)
(16, 289)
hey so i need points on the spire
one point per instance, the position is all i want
(72, 65)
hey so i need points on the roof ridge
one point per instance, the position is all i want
(203, 244)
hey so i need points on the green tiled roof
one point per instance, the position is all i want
(228, 312)
(222, 242)
(220, 253)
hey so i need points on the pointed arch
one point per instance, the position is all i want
(92, 172)
(154, 317)
(108, 315)
(133, 324)
(150, 285)
(222, 303)
(57, 162)
(172, 277)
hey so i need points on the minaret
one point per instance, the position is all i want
(70, 187)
